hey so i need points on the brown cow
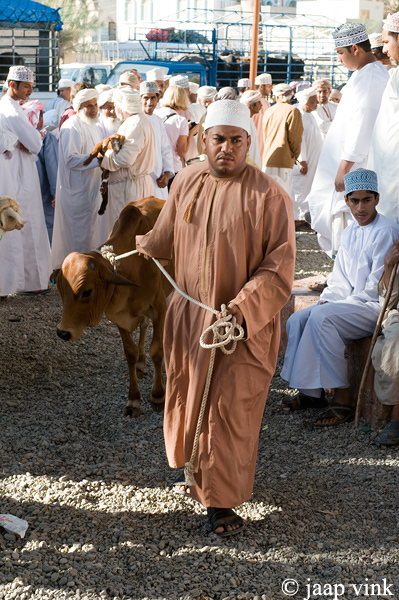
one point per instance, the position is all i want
(89, 288)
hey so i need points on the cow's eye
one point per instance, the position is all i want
(86, 294)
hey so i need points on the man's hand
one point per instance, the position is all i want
(391, 259)
(53, 202)
(344, 168)
(22, 148)
(163, 180)
(232, 309)
(303, 167)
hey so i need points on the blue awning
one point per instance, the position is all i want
(27, 14)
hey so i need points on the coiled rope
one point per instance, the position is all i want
(225, 331)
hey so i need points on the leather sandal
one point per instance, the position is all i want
(222, 517)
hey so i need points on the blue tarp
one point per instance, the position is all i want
(28, 14)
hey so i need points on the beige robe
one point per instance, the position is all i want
(239, 247)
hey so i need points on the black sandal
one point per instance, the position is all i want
(180, 482)
(342, 412)
(301, 401)
(215, 516)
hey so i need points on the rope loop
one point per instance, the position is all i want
(225, 331)
(108, 253)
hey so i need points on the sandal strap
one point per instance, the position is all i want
(227, 514)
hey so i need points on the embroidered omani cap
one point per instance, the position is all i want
(20, 73)
(391, 23)
(361, 179)
(181, 80)
(376, 40)
(348, 34)
(244, 83)
(148, 87)
(263, 79)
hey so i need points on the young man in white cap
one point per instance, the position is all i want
(163, 169)
(263, 84)
(305, 166)
(131, 167)
(325, 111)
(231, 231)
(348, 308)
(24, 255)
(282, 130)
(108, 122)
(157, 75)
(383, 154)
(77, 225)
(347, 144)
(55, 108)
(243, 85)
(252, 99)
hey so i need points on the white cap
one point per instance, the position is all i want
(244, 83)
(250, 97)
(281, 89)
(149, 87)
(156, 74)
(263, 79)
(128, 78)
(66, 83)
(207, 92)
(181, 80)
(193, 87)
(228, 112)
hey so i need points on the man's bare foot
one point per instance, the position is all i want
(224, 521)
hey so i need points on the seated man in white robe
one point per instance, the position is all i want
(348, 308)
(108, 122)
(131, 167)
(163, 169)
(77, 225)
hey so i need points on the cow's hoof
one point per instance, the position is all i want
(140, 371)
(157, 404)
(132, 411)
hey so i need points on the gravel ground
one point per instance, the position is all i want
(93, 485)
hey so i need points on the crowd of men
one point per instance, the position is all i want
(240, 170)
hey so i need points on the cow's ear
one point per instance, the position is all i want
(54, 275)
(116, 279)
